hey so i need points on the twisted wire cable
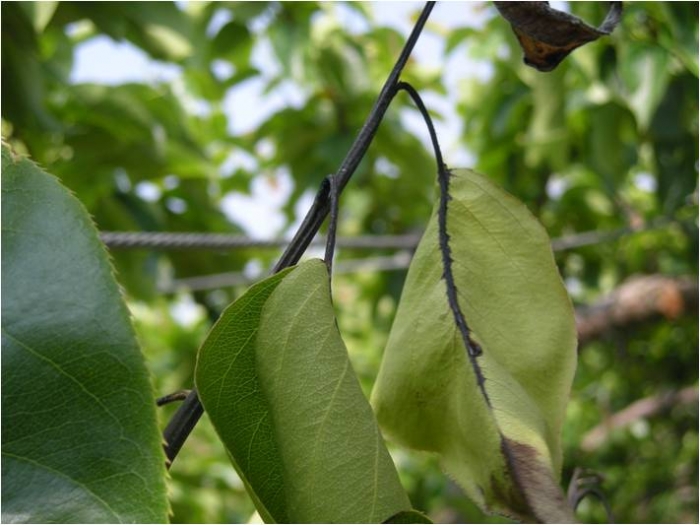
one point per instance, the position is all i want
(404, 244)
(221, 241)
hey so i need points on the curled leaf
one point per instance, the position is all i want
(547, 35)
(495, 419)
(275, 378)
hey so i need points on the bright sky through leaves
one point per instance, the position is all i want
(247, 108)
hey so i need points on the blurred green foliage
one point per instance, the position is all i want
(609, 139)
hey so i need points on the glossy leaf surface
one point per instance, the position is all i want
(276, 381)
(79, 440)
(502, 443)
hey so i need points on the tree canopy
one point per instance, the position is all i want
(603, 151)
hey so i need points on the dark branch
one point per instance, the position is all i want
(332, 223)
(408, 88)
(181, 425)
(473, 349)
(180, 395)
(318, 212)
(191, 410)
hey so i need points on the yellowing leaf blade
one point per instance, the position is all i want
(502, 444)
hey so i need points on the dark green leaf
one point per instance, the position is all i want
(79, 441)
(233, 41)
(612, 143)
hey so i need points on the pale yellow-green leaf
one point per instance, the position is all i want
(502, 443)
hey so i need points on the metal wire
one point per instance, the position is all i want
(218, 241)
(406, 244)
(164, 241)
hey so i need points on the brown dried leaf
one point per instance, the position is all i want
(547, 36)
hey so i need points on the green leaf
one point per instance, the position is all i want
(79, 441)
(457, 37)
(168, 41)
(409, 516)
(611, 144)
(233, 41)
(40, 14)
(276, 381)
(547, 137)
(160, 28)
(501, 443)
(230, 392)
(646, 75)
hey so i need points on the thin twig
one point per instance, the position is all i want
(644, 408)
(586, 482)
(332, 224)
(186, 417)
(180, 395)
(181, 425)
(319, 210)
